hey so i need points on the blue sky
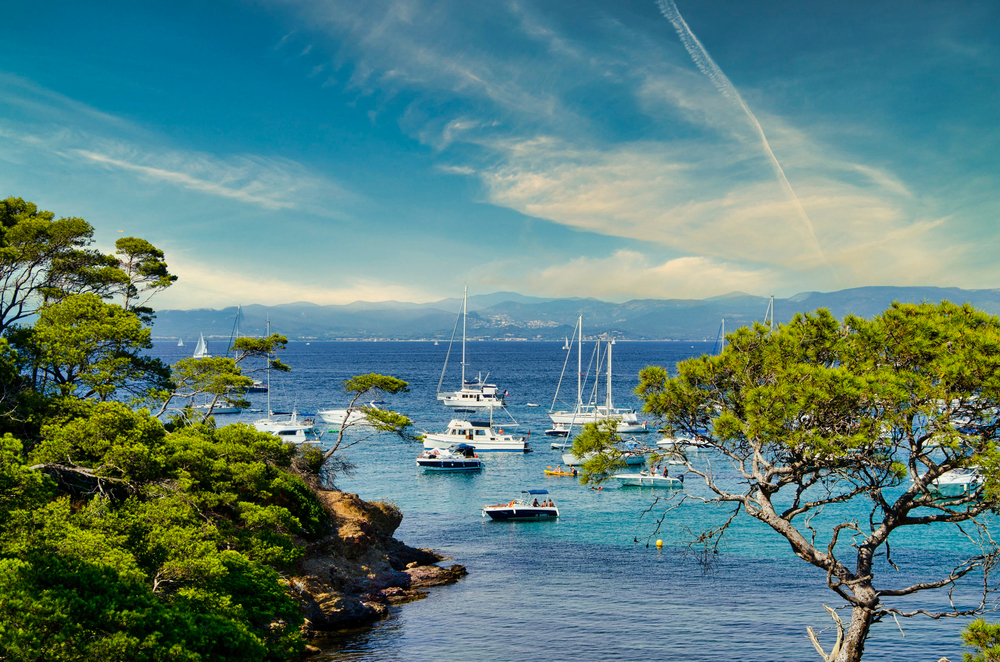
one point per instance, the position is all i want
(333, 151)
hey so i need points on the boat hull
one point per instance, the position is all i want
(511, 446)
(639, 480)
(529, 513)
(449, 465)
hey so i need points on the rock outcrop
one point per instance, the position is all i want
(354, 574)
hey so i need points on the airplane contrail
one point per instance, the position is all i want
(707, 66)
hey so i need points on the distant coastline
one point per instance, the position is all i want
(512, 317)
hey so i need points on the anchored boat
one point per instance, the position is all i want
(526, 507)
(460, 457)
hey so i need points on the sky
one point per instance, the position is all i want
(333, 151)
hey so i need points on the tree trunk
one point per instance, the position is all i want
(857, 632)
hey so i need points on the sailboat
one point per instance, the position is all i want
(201, 349)
(292, 429)
(563, 421)
(180, 342)
(474, 394)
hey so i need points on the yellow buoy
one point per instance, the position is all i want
(659, 543)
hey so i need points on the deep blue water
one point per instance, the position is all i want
(580, 586)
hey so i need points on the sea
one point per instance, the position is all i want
(591, 585)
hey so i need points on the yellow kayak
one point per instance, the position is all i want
(552, 472)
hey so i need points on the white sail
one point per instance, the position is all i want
(201, 349)
(180, 342)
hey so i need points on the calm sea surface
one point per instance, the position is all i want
(581, 586)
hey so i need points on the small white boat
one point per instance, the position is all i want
(292, 430)
(219, 409)
(180, 342)
(561, 445)
(479, 434)
(682, 444)
(526, 507)
(532, 404)
(559, 430)
(648, 479)
(460, 457)
(957, 482)
(354, 416)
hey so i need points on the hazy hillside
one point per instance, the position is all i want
(507, 315)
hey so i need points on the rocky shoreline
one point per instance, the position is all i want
(353, 575)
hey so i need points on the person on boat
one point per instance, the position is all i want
(575, 471)
(665, 471)
(559, 469)
(534, 503)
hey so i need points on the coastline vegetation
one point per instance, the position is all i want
(123, 537)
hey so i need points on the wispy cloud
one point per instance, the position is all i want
(75, 133)
(269, 183)
(704, 180)
(707, 66)
(628, 274)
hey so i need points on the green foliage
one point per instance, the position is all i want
(869, 412)
(86, 347)
(122, 538)
(984, 639)
(145, 274)
(361, 388)
(596, 446)
(183, 531)
(43, 259)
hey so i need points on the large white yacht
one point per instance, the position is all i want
(474, 394)
(481, 435)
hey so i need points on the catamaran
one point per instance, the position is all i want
(563, 421)
(474, 394)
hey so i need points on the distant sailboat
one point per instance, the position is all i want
(180, 342)
(201, 349)
(566, 344)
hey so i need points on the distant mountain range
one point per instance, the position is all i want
(512, 316)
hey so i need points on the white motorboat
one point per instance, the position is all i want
(348, 417)
(218, 409)
(648, 479)
(201, 349)
(526, 507)
(563, 421)
(460, 457)
(682, 444)
(293, 429)
(957, 482)
(479, 434)
(474, 394)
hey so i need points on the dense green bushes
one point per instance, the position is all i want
(120, 540)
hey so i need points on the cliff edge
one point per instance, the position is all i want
(351, 576)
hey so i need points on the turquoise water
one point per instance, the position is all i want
(581, 586)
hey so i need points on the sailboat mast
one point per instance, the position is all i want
(267, 326)
(465, 314)
(723, 348)
(608, 401)
(771, 308)
(579, 366)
